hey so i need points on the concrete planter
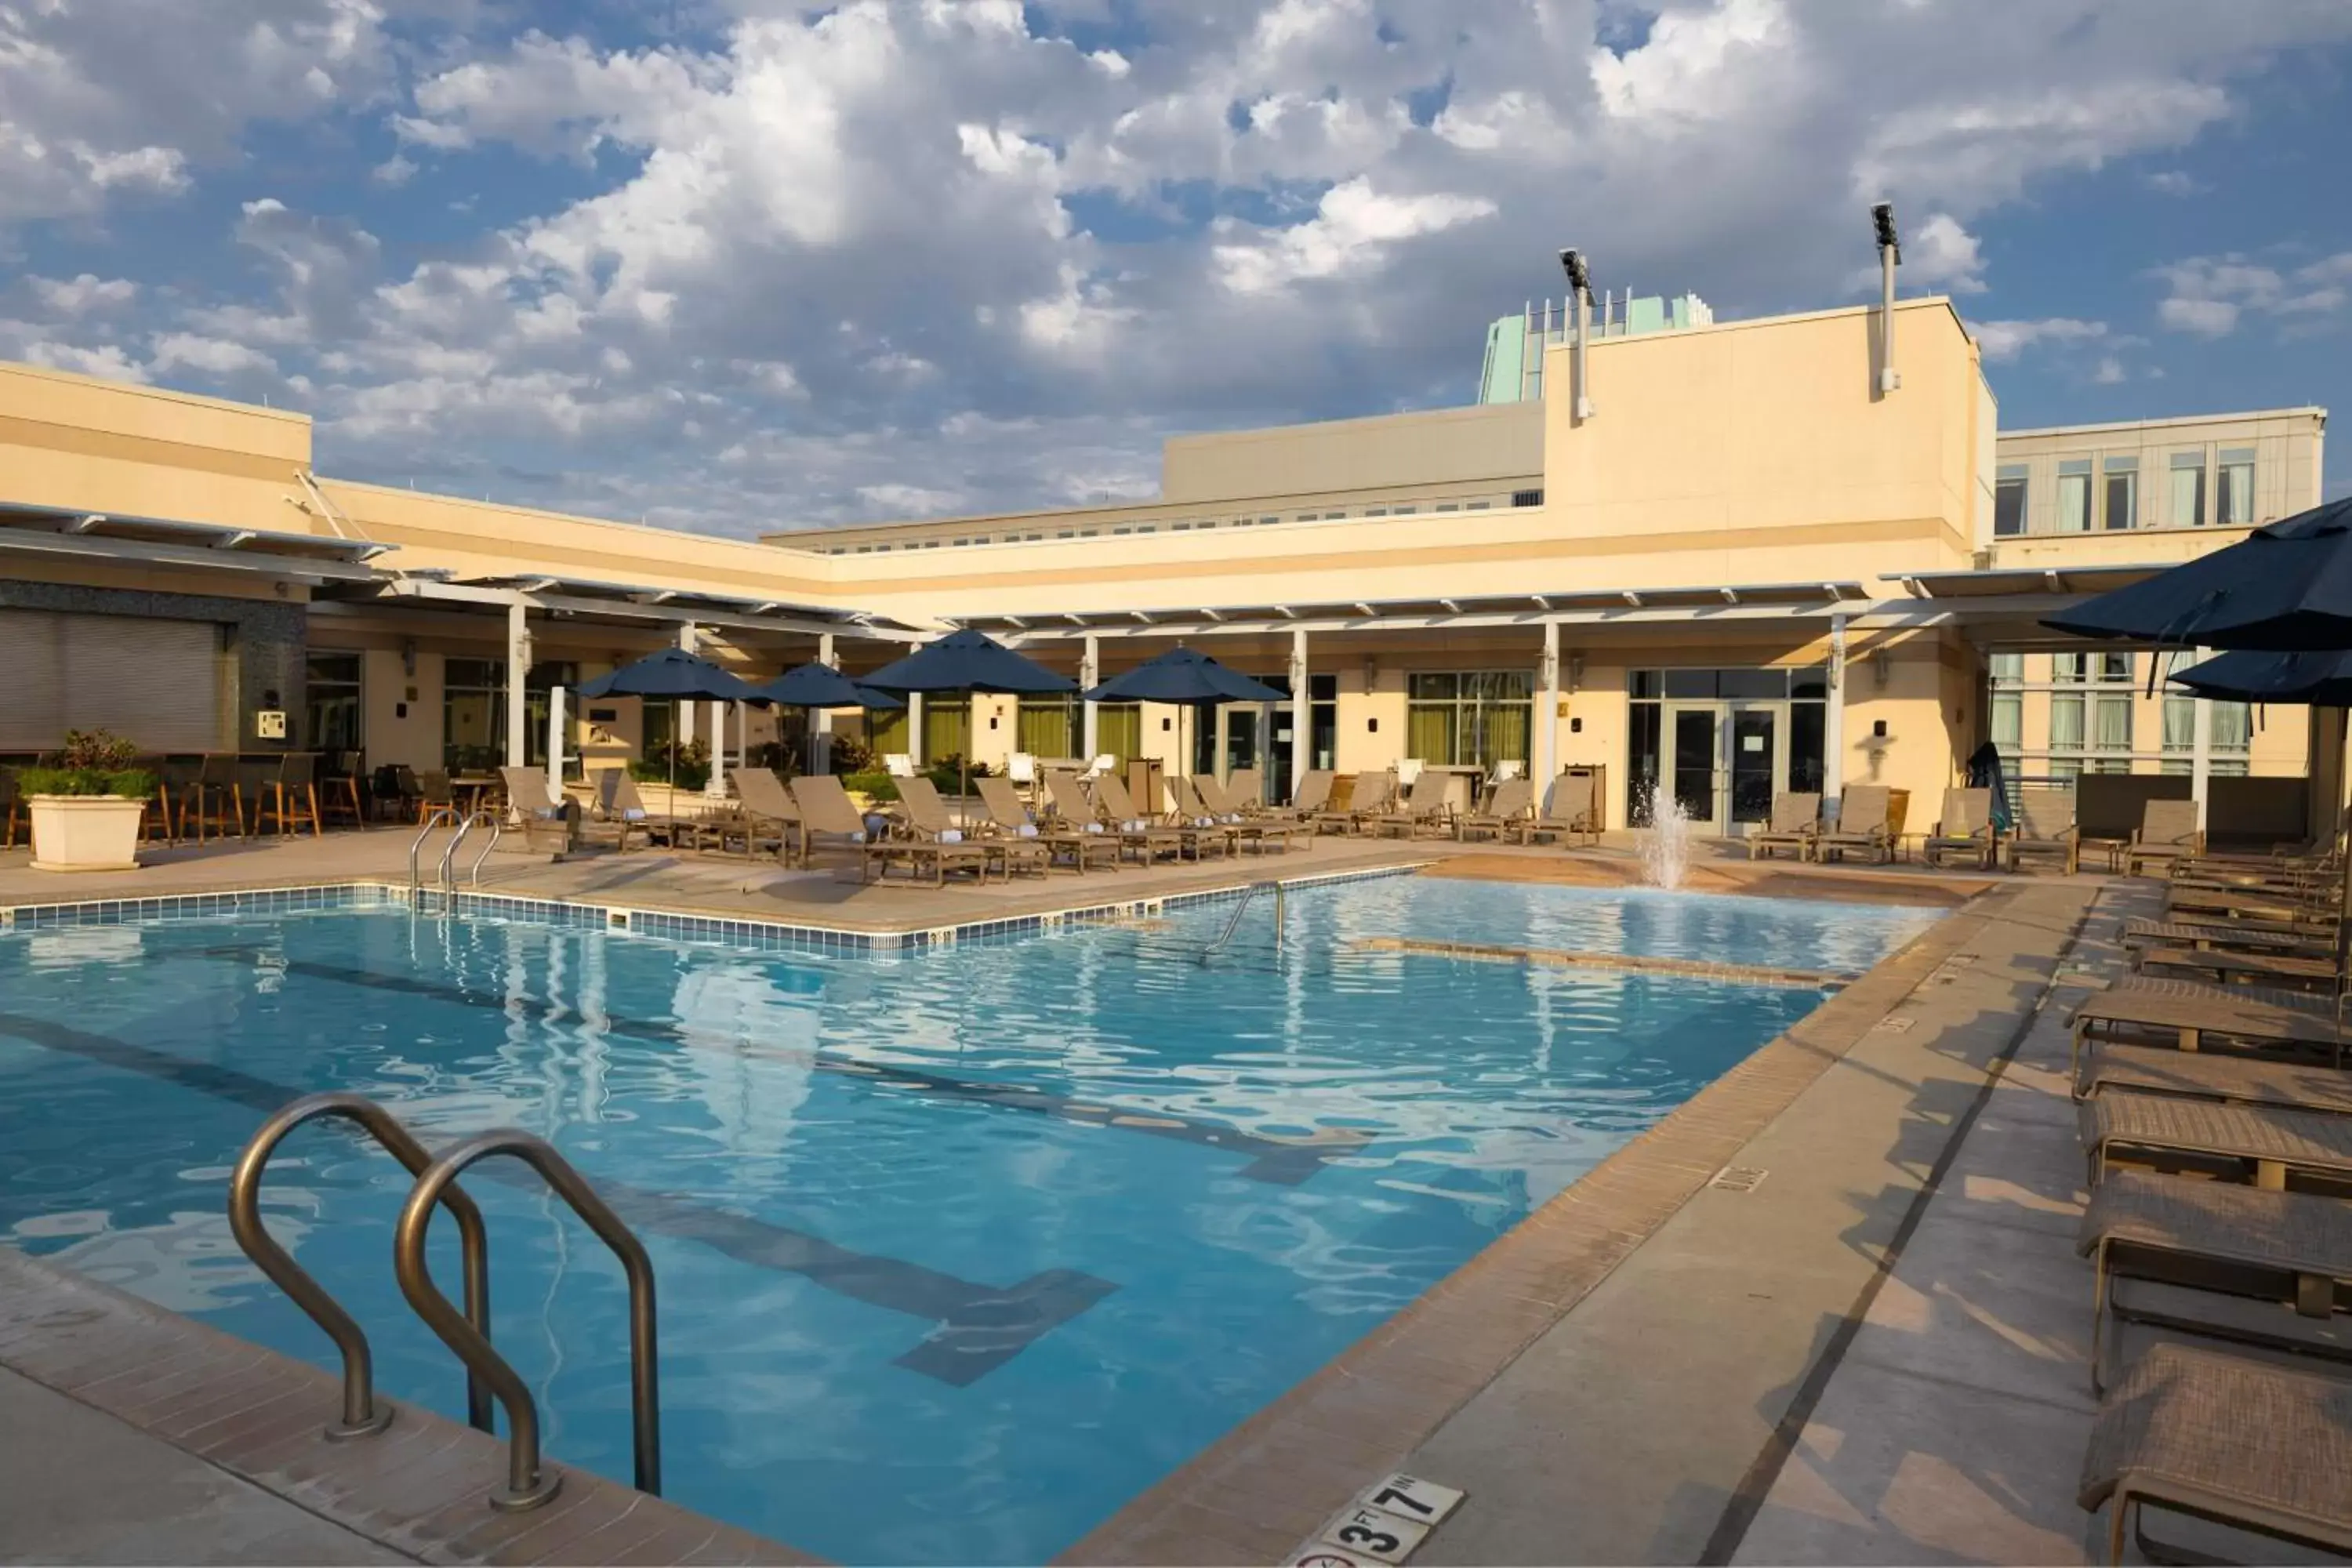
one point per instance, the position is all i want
(84, 832)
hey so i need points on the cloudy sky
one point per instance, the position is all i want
(732, 265)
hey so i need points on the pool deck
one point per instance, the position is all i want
(1863, 1347)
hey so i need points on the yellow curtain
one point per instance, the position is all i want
(1504, 733)
(946, 727)
(1045, 727)
(1118, 729)
(889, 730)
(1429, 731)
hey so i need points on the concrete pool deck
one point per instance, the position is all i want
(1644, 1371)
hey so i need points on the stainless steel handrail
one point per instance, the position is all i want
(497, 831)
(439, 815)
(1234, 920)
(362, 1415)
(447, 876)
(529, 1484)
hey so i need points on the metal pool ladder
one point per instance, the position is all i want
(530, 1483)
(1242, 907)
(435, 818)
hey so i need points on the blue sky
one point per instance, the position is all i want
(734, 266)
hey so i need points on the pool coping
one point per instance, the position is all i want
(1273, 1481)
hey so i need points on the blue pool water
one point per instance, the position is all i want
(953, 1311)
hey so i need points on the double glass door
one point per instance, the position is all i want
(1722, 759)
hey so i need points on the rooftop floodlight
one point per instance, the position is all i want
(1580, 284)
(1578, 278)
(1883, 217)
(1890, 256)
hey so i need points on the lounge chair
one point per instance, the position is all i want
(1965, 830)
(1513, 802)
(2046, 825)
(2261, 1144)
(1009, 817)
(1313, 795)
(547, 825)
(2207, 1256)
(927, 816)
(767, 808)
(1796, 823)
(2238, 1077)
(1195, 809)
(1862, 825)
(1368, 797)
(1568, 813)
(1237, 799)
(2262, 1447)
(2168, 834)
(1424, 807)
(2227, 966)
(2191, 1015)
(629, 807)
(2238, 936)
(829, 819)
(1133, 835)
(1119, 809)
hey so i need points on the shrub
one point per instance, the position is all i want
(95, 751)
(691, 763)
(876, 785)
(852, 756)
(131, 784)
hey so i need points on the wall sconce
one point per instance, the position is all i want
(1371, 673)
(1881, 667)
(1575, 671)
(408, 656)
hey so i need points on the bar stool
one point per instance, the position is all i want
(292, 796)
(12, 806)
(434, 792)
(255, 775)
(177, 784)
(155, 820)
(217, 797)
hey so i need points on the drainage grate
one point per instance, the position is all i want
(1738, 1179)
(1895, 1025)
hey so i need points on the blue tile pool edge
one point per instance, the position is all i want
(731, 930)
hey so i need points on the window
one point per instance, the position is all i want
(473, 712)
(1476, 506)
(1179, 527)
(1402, 511)
(1088, 532)
(2228, 737)
(962, 542)
(1122, 531)
(1047, 727)
(1476, 718)
(1067, 533)
(330, 710)
(2122, 492)
(1448, 505)
(2186, 507)
(2233, 486)
(2006, 671)
(2074, 495)
(1376, 511)
(2009, 502)
(1118, 729)
(980, 539)
(1264, 520)
(1526, 498)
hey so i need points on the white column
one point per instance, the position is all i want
(915, 727)
(1547, 758)
(555, 745)
(820, 747)
(717, 785)
(2200, 766)
(518, 666)
(685, 709)
(1302, 712)
(1834, 719)
(1090, 676)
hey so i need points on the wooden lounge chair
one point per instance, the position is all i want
(1368, 797)
(2046, 825)
(2231, 936)
(1234, 803)
(2225, 965)
(2256, 1143)
(546, 824)
(1569, 813)
(768, 809)
(829, 819)
(1145, 841)
(1862, 826)
(1195, 810)
(1118, 809)
(1964, 831)
(629, 807)
(1512, 802)
(928, 839)
(1313, 795)
(2168, 833)
(2191, 1015)
(2262, 1447)
(1796, 822)
(2213, 1258)
(1007, 815)
(1424, 808)
(2233, 1077)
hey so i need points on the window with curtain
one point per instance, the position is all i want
(1047, 727)
(2180, 734)
(946, 728)
(2009, 501)
(2233, 486)
(2066, 723)
(2074, 495)
(2122, 492)
(330, 718)
(888, 731)
(1469, 720)
(2187, 502)
(1118, 729)
(2111, 724)
(473, 714)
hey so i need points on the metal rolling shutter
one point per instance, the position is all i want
(155, 682)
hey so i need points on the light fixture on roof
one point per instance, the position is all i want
(1580, 284)
(1890, 256)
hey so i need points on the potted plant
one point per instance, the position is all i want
(86, 805)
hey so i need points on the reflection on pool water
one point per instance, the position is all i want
(958, 1251)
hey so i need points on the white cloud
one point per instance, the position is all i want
(213, 356)
(2110, 370)
(83, 294)
(2176, 183)
(2003, 340)
(2209, 296)
(1351, 232)
(107, 360)
(1939, 251)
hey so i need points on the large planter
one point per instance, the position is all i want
(84, 832)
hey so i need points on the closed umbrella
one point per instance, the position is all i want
(812, 686)
(2284, 588)
(1184, 676)
(677, 675)
(965, 663)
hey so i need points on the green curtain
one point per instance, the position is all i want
(946, 727)
(887, 731)
(1045, 727)
(1504, 733)
(1429, 730)
(1118, 730)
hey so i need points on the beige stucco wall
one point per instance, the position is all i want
(1468, 447)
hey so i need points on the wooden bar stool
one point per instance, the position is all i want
(216, 798)
(292, 797)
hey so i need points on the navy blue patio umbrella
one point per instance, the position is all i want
(2284, 588)
(812, 686)
(2318, 680)
(1184, 676)
(964, 663)
(677, 675)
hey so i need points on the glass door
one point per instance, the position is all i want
(1755, 762)
(1691, 763)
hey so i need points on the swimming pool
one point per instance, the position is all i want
(959, 1250)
